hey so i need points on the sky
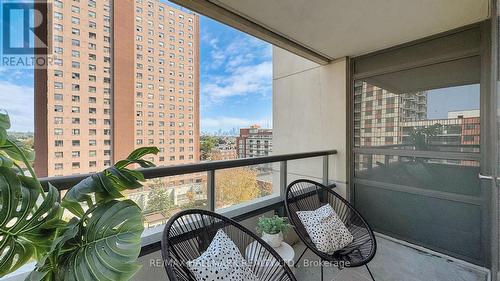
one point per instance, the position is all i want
(235, 82)
(441, 101)
(16, 84)
(236, 78)
(16, 97)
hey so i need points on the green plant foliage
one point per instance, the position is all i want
(159, 198)
(28, 217)
(102, 241)
(272, 225)
(103, 246)
(108, 184)
(113, 228)
(207, 143)
(24, 226)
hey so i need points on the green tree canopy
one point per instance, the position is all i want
(159, 199)
(207, 143)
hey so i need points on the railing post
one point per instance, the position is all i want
(211, 190)
(325, 170)
(283, 178)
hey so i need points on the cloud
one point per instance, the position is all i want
(218, 59)
(17, 100)
(242, 81)
(235, 51)
(240, 67)
(226, 123)
(16, 75)
(213, 42)
(236, 78)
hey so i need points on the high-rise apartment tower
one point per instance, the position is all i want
(124, 76)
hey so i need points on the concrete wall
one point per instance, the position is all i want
(309, 114)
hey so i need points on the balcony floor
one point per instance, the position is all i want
(395, 262)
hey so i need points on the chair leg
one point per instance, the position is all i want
(371, 275)
(301, 255)
(321, 270)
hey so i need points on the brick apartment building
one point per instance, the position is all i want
(124, 77)
(224, 153)
(254, 142)
(385, 119)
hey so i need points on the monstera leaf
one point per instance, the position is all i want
(108, 246)
(26, 225)
(108, 184)
(104, 245)
(11, 147)
(102, 242)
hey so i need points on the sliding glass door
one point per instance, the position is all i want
(417, 143)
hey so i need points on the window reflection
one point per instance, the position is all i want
(445, 119)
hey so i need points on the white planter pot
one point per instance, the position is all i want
(274, 240)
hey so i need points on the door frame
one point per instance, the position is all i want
(488, 128)
(494, 184)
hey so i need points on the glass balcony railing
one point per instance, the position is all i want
(238, 188)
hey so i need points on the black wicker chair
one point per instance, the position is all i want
(306, 195)
(189, 233)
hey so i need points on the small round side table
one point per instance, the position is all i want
(285, 251)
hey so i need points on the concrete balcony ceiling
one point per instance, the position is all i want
(338, 28)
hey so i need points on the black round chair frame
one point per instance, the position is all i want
(185, 238)
(358, 253)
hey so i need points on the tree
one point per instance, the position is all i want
(29, 142)
(235, 186)
(207, 143)
(265, 188)
(159, 198)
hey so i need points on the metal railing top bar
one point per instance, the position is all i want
(430, 145)
(473, 156)
(65, 182)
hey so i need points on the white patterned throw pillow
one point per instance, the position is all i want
(326, 230)
(221, 261)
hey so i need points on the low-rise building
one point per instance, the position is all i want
(254, 142)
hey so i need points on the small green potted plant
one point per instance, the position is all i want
(272, 229)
